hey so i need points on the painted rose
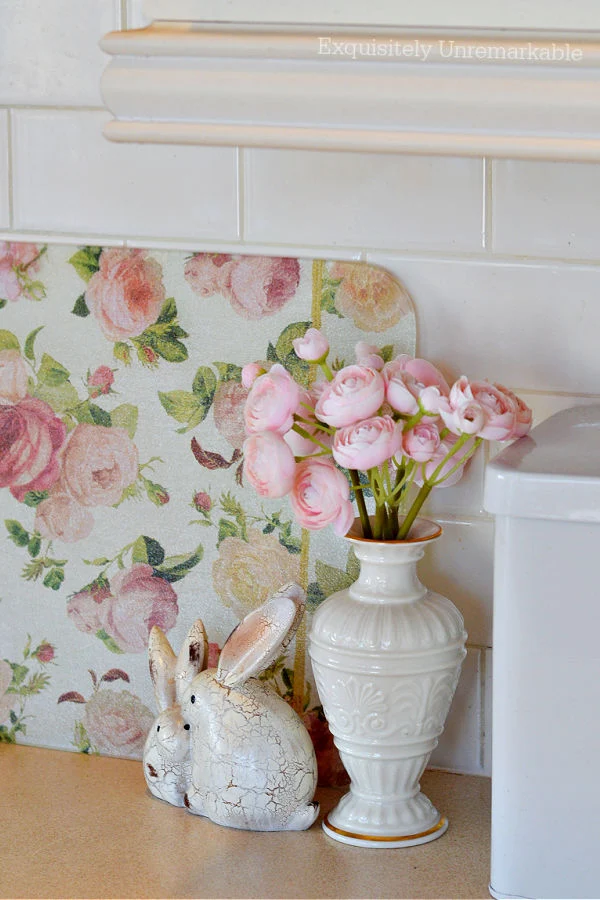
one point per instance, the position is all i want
(209, 273)
(100, 381)
(331, 771)
(524, 414)
(320, 496)
(422, 442)
(6, 700)
(13, 377)
(140, 599)
(202, 502)
(269, 464)
(126, 294)
(260, 286)
(368, 355)
(87, 608)
(117, 723)
(272, 402)
(246, 573)
(44, 653)
(228, 409)
(368, 443)
(98, 464)
(62, 518)
(313, 347)
(355, 393)
(370, 297)
(18, 262)
(31, 436)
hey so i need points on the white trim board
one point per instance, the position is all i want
(393, 92)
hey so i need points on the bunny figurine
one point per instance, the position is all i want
(253, 763)
(167, 758)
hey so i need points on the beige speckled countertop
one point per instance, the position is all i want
(84, 826)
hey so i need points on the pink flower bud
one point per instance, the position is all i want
(422, 442)
(313, 347)
(44, 653)
(100, 381)
(202, 501)
(250, 373)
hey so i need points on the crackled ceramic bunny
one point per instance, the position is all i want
(253, 763)
(167, 758)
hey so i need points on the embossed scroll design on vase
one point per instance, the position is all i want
(387, 654)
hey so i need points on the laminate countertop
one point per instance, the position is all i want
(86, 826)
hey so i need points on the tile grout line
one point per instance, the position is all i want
(241, 187)
(10, 173)
(123, 25)
(487, 203)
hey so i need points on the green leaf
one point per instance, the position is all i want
(147, 550)
(284, 345)
(34, 498)
(61, 398)
(54, 578)
(272, 354)
(330, 286)
(51, 372)
(108, 641)
(19, 674)
(170, 349)
(168, 311)
(228, 371)
(126, 416)
(86, 262)
(99, 415)
(81, 308)
(386, 352)
(8, 341)
(181, 405)
(291, 544)
(29, 342)
(287, 676)
(35, 545)
(2, 305)
(314, 595)
(17, 533)
(330, 579)
(352, 565)
(204, 387)
(122, 352)
(174, 568)
(227, 529)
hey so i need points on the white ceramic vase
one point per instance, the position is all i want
(386, 654)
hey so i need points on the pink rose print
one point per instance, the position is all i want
(100, 381)
(228, 410)
(370, 297)
(31, 436)
(126, 294)
(117, 722)
(17, 263)
(209, 273)
(98, 464)
(86, 609)
(62, 518)
(7, 701)
(13, 377)
(261, 286)
(202, 502)
(44, 653)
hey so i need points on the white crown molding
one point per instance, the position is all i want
(187, 83)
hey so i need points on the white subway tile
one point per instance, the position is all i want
(546, 209)
(50, 53)
(135, 14)
(460, 566)
(366, 200)
(460, 744)
(530, 326)
(4, 202)
(69, 178)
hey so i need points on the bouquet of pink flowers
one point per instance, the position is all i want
(399, 423)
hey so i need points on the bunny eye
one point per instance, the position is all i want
(158, 727)
(186, 726)
(193, 698)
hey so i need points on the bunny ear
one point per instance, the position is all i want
(162, 668)
(261, 636)
(192, 657)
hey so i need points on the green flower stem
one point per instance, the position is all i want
(462, 460)
(305, 434)
(360, 502)
(414, 420)
(314, 422)
(457, 446)
(414, 511)
(326, 370)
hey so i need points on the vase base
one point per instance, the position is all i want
(385, 841)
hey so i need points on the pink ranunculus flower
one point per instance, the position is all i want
(62, 518)
(31, 436)
(269, 464)
(320, 496)
(367, 443)
(355, 393)
(140, 599)
(117, 723)
(126, 294)
(368, 355)
(87, 608)
(421, 370)
(402, 391)
(500, 411)
(250, 373)
(15, 260)
(100, 381)
(304, 446)
(209, 273)
(467, 418)
(431, 466)
(431, 399)
(99, 462)
(272, 402)
(228, 410)
(422, 442)
(524, 413)
(260, 286)
(313, 347)
(13, 377)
